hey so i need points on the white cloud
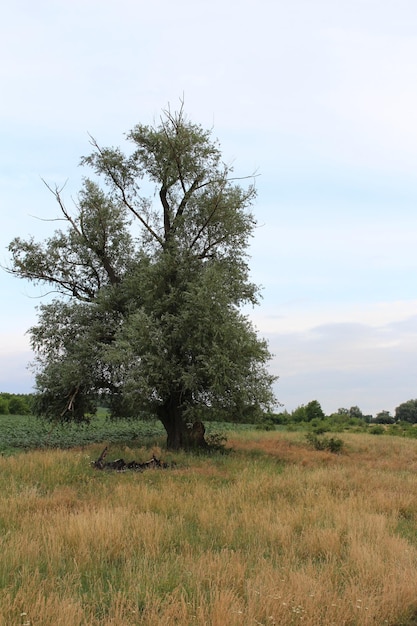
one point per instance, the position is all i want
(346, 364)
(294, 318)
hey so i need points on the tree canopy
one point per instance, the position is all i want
(150, 273)
(407, 412)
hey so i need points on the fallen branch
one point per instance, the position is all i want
(120, 465)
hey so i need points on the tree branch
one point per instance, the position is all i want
(57, 193)
(206, 223)
(101, 252)
(124, 197)
(163, 192)
(206, 249)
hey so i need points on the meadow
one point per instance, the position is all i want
(273, 532)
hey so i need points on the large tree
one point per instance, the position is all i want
(150, 287)
(407, 412)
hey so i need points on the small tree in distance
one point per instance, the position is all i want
(384, 417)
(313, 411)
(149, 290)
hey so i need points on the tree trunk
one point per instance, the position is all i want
(171, 416)
(179, 434)
(175, 434)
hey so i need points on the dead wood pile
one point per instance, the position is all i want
(120, 465)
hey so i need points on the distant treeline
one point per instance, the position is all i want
(311, 413)
(15, 403)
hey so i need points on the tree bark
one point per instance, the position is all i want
(179, 433)
(171, 416)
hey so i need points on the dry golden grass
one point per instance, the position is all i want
(274, 533)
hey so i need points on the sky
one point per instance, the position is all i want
(318, 97)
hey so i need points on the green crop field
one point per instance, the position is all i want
(25, 432)
(28, 432)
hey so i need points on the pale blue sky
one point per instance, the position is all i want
(320, 97)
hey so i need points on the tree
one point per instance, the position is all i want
(343, 411)
(407, 412)
(18, 406)
(150, 289)
(355, 412)
(313, 410)
(299, 414)
(384, 417)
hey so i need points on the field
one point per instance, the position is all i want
(273, 532)
(25, 432)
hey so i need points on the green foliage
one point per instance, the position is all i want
(280, 418)
(311, 416)
(402, 429)
(151, 293)
(216, 442)
(407, 412)
(18, 406)
(325, 443)
(306, 413)
(376, 430)
(15, 404)
(313, 410)
(355, 411)
(299, 414)
(383, 417)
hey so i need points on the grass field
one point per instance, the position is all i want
(274, 532)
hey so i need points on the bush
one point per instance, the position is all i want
(4, 406)
(325, 443)
(280, 418)
(335, 445)
(216, 442)
(377, 430)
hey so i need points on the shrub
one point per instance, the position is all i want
(377, 430)
(335, 445)
(325, 443)
(216, 442)
(267, 424)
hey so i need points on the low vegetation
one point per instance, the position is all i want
(275, 532)
(25, 432)
(28, 432)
